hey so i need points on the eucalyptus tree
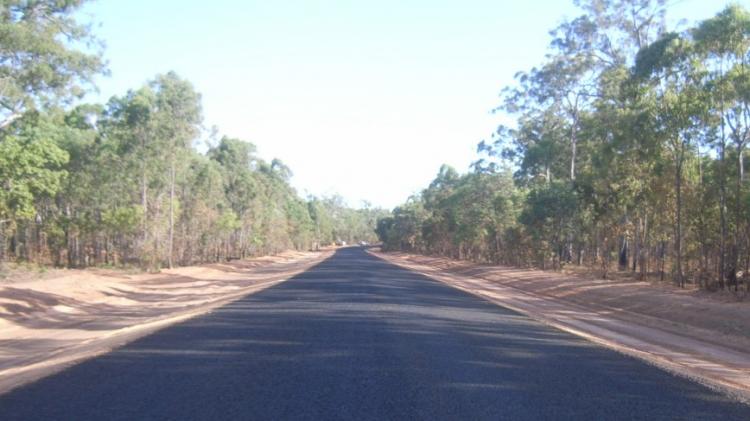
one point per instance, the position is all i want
(615, 30)
(608, 151)
(237, 159)
(207, 219)
(32, 166)
(322, 222)
(39, 65)
(607, 37)
(129, 121)
(40, 68)
(558, 104)
(91, 210)
(404, 230)
(178, 115)
(675, 73)
(554, 96)
(439, 227)
(154, 127)
(724, 40)
(533, 147)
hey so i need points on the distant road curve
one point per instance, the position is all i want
(358, 338)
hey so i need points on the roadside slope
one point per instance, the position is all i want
(690, 335)
(48, 324)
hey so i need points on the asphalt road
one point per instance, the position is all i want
(358, 338)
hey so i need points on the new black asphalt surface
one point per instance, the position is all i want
(358, 338)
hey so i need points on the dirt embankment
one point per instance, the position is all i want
(691, 333)
(49, 322)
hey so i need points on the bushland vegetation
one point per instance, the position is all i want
(625, 151)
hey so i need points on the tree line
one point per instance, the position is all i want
(627, 152)
(122, 182)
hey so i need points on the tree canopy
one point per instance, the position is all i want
(627, 151)
(123, 182)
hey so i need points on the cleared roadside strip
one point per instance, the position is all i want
(58, 360)
(723, 369)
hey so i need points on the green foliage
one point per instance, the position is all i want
(620, 152)
(228, 222)
(31, 166)
(123, 184)
(628, 146)
(468, 216)
(124, 220)
(39, 67)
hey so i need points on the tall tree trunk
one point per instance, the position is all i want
(662, 259)
(735, 263)
(69, 247)
(144, 192)
(678, 227)
(722, 192)
(2, 243)
(741, 161)
(605, 257)
(573, 148)
(144, 205)
(644, 254)
(622, 261)
(156, 234)
(637, 244)
(722, 208)
(171, 211)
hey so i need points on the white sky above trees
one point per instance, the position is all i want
(364, 99)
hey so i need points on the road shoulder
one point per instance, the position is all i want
(698, 355)
(52, 324)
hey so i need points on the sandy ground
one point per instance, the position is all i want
(690, 333)
(50, 321)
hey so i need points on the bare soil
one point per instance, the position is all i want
(53, 319)
(689, 332)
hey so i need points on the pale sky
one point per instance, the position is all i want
(362, 98)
